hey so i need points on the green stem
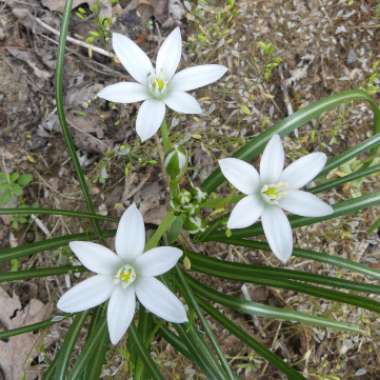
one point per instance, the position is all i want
(160, 231)
(30, 328)
(62, 117)
(165, 137)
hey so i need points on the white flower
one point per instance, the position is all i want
(275, 189)
(123, 276)
(158, 86)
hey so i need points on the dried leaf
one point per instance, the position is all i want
(18, 351)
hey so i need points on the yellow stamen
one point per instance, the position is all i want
(159, 83)
(274, 192)
(125, 275)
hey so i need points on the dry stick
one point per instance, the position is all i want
(73, 40)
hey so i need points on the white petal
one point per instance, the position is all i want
(305, 169)
(159, 300)
(149, 118)
(305, 204)
(135, 61)
(120, 312)
(87, 294)
(183, 103)
(130, 235)
(169, 54)
(157, 261)
(124, 92)
(197, 76)
(278, 232)
(246, 212)
(240, 174)
(95, 257)
(272, 160)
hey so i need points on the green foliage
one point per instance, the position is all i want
(372, 84)
(271, 61)
(101, 34)
(12, 185)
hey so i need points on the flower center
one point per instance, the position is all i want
(272, 193)
(125, 276)
(157, 86)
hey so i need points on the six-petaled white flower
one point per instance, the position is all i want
(123, 276)
(158, 86)
(274, 189)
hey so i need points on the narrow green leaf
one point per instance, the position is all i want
(58, 370)
(331, 184)
(151, 365)
(221, 202)
(31, 328)
(252, 343)
(319, 292)
(340, 209)
(192, 301)
(244, 272)
(257, 309)
(89, 348)
(41, 272)
(52, 211)
(349, 154)
(322, 257)
(29, 249)
(92, 368)
(285, 126)
(191, 337)
(177, 343)
(61, 112)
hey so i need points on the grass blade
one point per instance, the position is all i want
(94, 363)
(54, 212)
(319, 292)
(61, 112)
(195, 345)
(37, 273)
(252, 343)
(192, 301)
(31, 328)
(150, 364)
(254, 308)
(89, 348)
(340, 209)
(331, 184)
(244, 272)
(285, 126)
(29, 249)
(57, 370)
(177, 343)
(349, 154)
(311, 255)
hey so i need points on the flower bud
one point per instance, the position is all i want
(175, 163)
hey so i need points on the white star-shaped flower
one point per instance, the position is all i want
(158, 87)
(274, 189)
(123, 276)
